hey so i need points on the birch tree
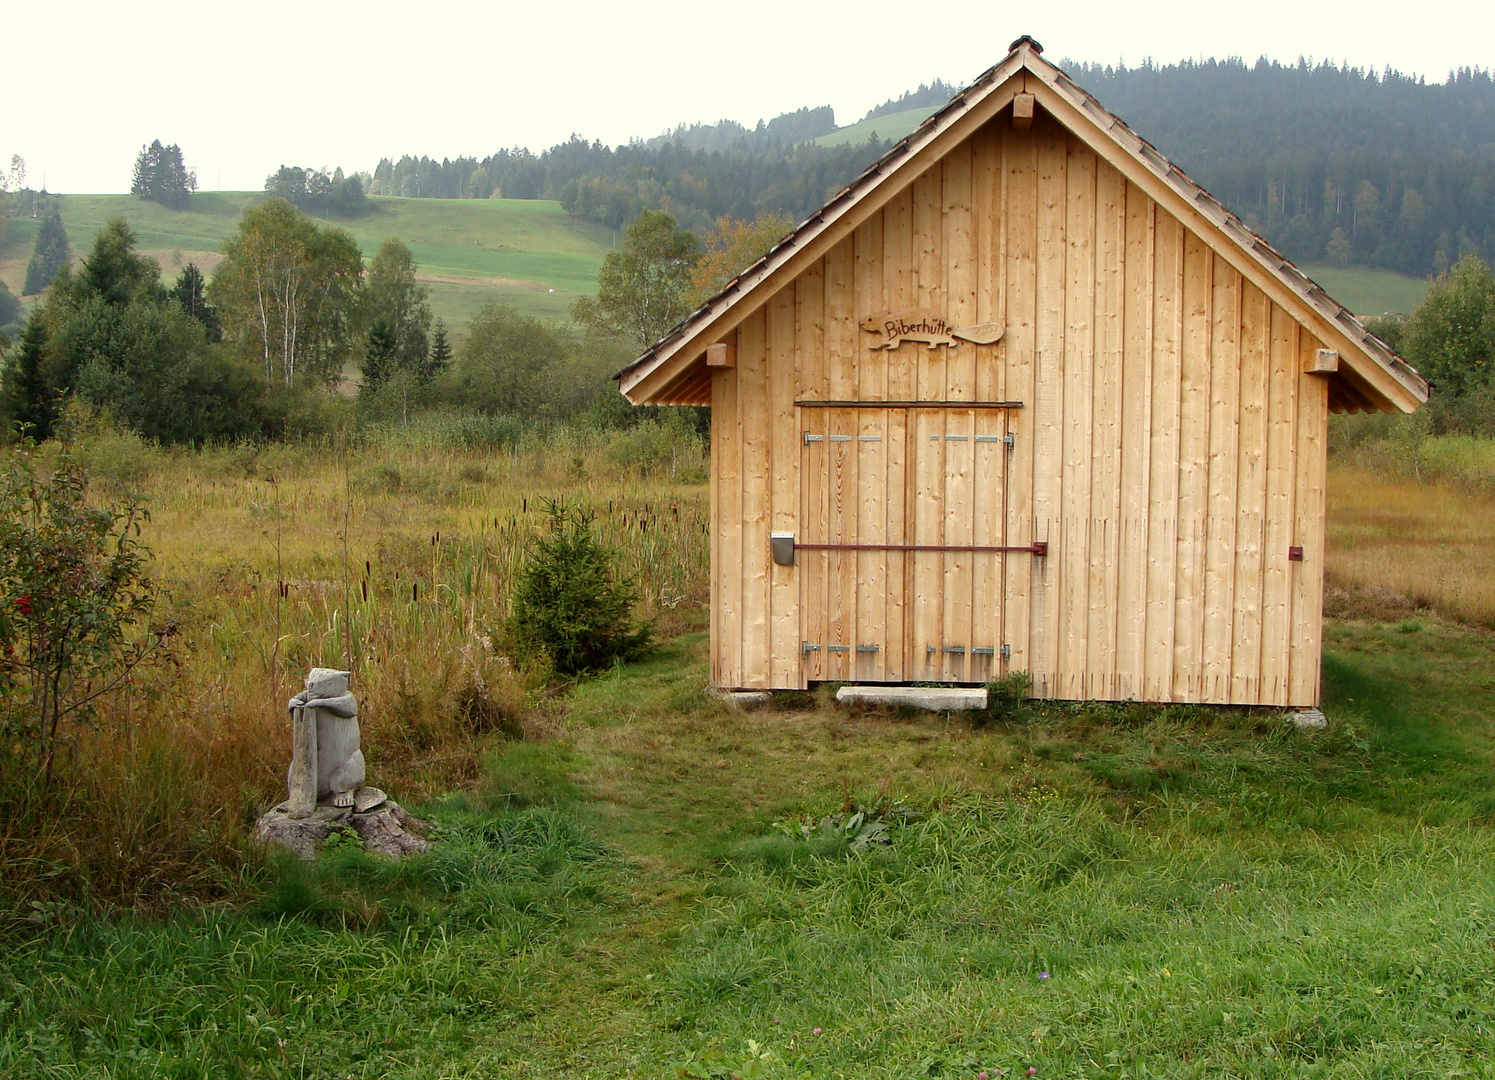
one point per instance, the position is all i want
(291, 294)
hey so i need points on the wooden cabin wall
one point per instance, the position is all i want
(1170, 448)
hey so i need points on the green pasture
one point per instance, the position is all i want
(663, 887)
(527, 253)
(892, 127)
(1369, 290)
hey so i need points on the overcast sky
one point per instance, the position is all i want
(245, 88)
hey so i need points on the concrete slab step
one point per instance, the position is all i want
(932, 698)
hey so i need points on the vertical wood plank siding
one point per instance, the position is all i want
(1170, 449)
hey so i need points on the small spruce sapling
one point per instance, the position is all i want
(570, 606)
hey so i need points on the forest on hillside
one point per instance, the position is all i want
(1332, 164)
(1336, 165)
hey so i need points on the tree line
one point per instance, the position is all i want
(1332, 164)
(292, 309)
(613, 185)
(317, 191)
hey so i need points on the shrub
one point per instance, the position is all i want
(570, 606)
(73, 584)
(1006, 700)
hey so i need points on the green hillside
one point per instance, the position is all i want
(1369, 290)
(893, 126)
(528, 253)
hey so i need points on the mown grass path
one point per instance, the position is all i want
(1084, 891)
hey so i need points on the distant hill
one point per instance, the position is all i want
(528, 253)
(887, 127)
(1403, 170)
(1336, 166)
(928, 96)
(800, 126)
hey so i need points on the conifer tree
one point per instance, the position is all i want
(28, 398)
(190, 292)
(380, 357)
(114, 271)
(162, 176)
(49, 256)
(441, 352)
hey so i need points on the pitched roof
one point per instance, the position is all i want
(673, 371)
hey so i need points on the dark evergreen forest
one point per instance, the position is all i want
(1332, 164)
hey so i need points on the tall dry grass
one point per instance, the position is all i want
(1405, 541)
(393, 559)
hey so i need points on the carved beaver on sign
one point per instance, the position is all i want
(896, 327)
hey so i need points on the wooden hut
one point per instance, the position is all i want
(1022, 397)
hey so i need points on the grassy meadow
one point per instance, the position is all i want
(1369, 290)
(530, 254)
(648, 884)
(890, 127)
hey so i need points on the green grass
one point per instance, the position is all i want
(527, 253)
(1090, 891)
(891, 127)
(1367, 290)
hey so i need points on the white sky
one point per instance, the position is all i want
(246, 87)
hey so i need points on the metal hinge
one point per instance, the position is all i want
(1006, 652)
(956, 650)
(810, 647)
(869, 648)
(983, 651)
(1010, 439)
(838, 648)
(813, 438)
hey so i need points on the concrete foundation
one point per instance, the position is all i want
(931, 698)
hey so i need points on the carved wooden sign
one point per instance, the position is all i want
(923, 325)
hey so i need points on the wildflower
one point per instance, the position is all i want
(22, 604)
(1043, 974)
(981, 1075)
(817, 1031)
(1032, 1070)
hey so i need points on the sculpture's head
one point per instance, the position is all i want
(326, 682)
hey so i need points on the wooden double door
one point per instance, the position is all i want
(902, 551)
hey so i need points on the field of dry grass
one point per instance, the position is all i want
(1397, 543)
(394, 561)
